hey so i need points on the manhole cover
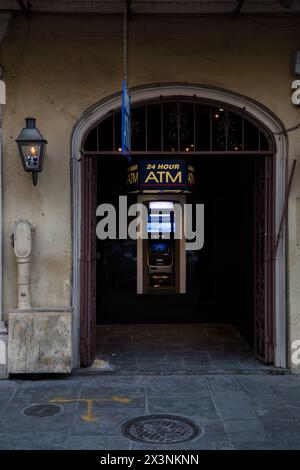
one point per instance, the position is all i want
(160, 429)
(41, 411)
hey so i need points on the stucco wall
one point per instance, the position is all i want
(56, 67)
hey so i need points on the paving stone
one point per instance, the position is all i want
(282, 430)
(197, 368)
(223, 383)
(112, 398)
(32, 441)
(199, 407)
(252, 364)
(201, 346)
(273, 445)
(221, 361)
(252, 430)
(108, 423)
(177, 386)
(263, 399)
(156, 355)
(114, 340)
(287, 388)
(194, 362)
(160, 366)
(130, 382)
(179, 348)
(234, 405)
(42, 393)
(191, 445)
(7, 388)
(290, 444)
(258, 385)
(265, 445)
(127, 348)
(146, 347)
(222, 446)
(264, 410)
(294, 411)
(111, 388)
(153, 339)
(6, 442)
(96, 443)
(214, 431)
(7, 391)
(123, 365)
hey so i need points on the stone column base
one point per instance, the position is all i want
(39, 341)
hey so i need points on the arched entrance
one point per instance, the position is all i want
(270, 146)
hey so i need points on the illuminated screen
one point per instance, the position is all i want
(160, 223)
(160, 227)
(160, 246)
(161, 205)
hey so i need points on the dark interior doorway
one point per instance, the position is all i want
(219, 277)
(231, 280)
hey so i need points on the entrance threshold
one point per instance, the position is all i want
(167, 349)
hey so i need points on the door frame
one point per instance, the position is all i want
(259, 113)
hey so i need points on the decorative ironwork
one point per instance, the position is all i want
(226, 127)
(170, 123)
(178, 120)
(135, 126)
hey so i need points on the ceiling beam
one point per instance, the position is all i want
(156, 7)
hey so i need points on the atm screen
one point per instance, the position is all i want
(160, 246)
(160, 227)
(160, 219)
(160, 223)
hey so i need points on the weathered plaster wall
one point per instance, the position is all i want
(56, 67)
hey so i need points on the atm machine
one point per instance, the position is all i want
(161, 256)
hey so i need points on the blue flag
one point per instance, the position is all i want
(126, 123)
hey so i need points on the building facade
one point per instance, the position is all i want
(66, 70)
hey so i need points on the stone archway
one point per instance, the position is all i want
(254, 109)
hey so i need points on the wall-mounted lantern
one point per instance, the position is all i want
(32, 146)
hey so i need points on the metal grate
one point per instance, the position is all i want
(161, 429)
(42, 411)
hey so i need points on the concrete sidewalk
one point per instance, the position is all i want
(233, 411)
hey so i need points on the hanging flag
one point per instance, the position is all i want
(126, 124)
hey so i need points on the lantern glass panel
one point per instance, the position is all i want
(31, 153)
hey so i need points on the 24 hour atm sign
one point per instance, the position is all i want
(161, 175)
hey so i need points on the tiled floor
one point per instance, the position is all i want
(191, 348)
